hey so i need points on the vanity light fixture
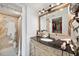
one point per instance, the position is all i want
(57, 3)
(51, 5)
(50, 8)
(66, 3)
(43, 10)
(39, 12)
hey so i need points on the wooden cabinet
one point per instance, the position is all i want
(39, 49)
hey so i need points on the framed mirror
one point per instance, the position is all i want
(55, 22)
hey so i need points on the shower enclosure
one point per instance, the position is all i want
(10, 29)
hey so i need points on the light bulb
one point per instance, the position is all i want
(57, 3)
(43, 10)
(52, 5)
(39, 12)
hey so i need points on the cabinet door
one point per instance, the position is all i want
(38, 49)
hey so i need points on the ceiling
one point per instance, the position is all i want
(34, 6)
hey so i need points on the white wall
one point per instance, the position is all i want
(32, 24)
(29, 27)
(24, 28)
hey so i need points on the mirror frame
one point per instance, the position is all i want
(55, 9)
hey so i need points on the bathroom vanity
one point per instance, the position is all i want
(40, 47)
(49, 43)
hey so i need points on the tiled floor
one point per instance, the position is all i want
(6, 48)
(8, 52)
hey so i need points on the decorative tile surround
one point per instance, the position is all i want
(11, 7)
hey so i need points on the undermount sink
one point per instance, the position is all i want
(46, 39)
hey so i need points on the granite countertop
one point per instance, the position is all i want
(54, 44)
